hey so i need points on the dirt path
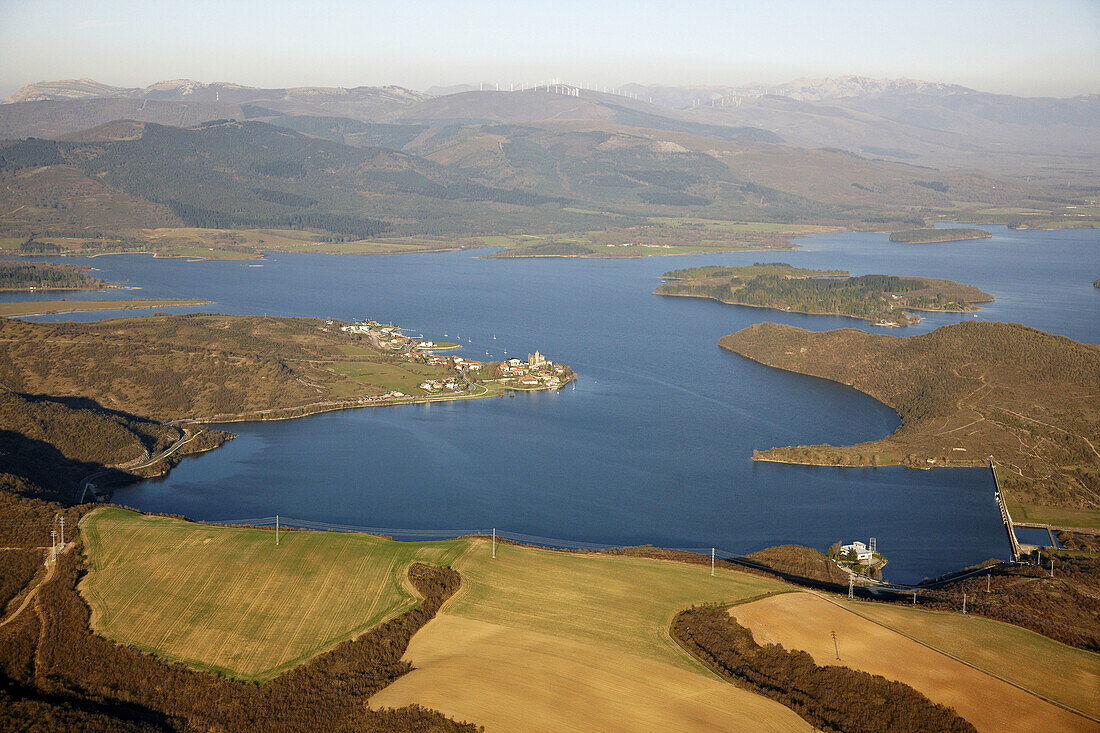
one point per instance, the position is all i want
(50, 567)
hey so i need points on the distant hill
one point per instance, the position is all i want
(226, 174)
(803, 89)
(51, 109)
(943, 126)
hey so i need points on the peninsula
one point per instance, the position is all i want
(32, 276)
(48, 307)
(884, 300)
(158, 379)
(930, 235)
(964, 392)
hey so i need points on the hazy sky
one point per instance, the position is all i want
(1049, 47)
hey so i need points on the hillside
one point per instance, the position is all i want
(194, 366)
(244, 174)
(964, 392)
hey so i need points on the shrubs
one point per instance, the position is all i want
(829, 698)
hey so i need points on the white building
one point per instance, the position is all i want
(863, 554)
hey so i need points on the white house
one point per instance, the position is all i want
(863, 554)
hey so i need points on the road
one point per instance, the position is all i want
(144, 462)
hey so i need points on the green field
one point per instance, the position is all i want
(617, 602)
(1052, 515)
(229, 600)
(403, 376)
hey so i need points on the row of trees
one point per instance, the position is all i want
(829, 698)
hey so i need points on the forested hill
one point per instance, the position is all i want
(45, 276)
(964, 392)
(227, 174)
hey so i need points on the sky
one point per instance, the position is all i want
(1033, 48)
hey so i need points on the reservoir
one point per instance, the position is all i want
(653, 445)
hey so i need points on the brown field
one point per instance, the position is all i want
(806, 621)
(509, 679)
(539, 640)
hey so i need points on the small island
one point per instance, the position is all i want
(884, 300)
(930, 235)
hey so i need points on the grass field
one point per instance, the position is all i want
(806, 621)
(380, 376)
(538, 640)
(625, 603)
(229, 600)
(1052, 515)
(40, 307)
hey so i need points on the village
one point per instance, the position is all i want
(536, 373)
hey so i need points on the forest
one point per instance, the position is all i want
(45, 276)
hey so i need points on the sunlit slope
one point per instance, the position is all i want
(229, 599)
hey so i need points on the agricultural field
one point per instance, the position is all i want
(227, 599)
(230, 600)
(594, 629)
(536, 639)
(875, 638)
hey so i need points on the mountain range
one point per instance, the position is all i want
(87, 158)
(944, 126)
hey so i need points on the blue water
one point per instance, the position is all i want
(653, 445)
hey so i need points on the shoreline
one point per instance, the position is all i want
(123, 306)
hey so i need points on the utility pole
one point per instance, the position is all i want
(712, 561)
(53, 545)
(1051, 561)
(851, 586)
(494, 543)
(836, 648)
(964, 604)
(276, 530)
(62, 520)
(987, 582)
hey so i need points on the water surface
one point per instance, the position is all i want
(654, 443)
